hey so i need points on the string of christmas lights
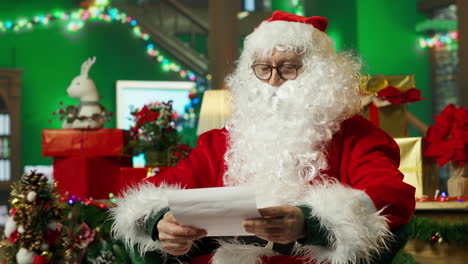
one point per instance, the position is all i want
(298, 7)
(449, 39)
(73, 199)
(76, 20)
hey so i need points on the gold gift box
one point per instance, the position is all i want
(392, 118)
(420, 171)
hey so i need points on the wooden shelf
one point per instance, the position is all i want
(426, 252)
(448, 205)
(10, 103)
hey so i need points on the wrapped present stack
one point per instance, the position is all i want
(86, 162)
(384, 100)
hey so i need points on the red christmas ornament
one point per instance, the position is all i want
(40, 260)
(13, 237)
(13, 211)
(435, 237)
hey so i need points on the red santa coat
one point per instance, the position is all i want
(368, 199)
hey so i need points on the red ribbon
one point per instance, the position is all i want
(395, 96)
(374, 114)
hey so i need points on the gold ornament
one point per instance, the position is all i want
(15, 201)
(440, 240)
(47, 254)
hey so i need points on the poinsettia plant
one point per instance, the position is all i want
(448, 138)
(154, 128)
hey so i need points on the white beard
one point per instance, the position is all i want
(278, 136)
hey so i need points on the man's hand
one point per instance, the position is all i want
(176, 239)
(280, 224)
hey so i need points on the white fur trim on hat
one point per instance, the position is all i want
(276, 33)
(359, 231)
(133, 210)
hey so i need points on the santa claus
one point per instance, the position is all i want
(327, 180)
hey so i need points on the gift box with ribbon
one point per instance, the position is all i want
(86, 162)
(384, 100)
(420, 171)
(87, 177)
(107, 142)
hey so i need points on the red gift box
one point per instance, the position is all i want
(72, 142)
(132, 176)
(87, 177)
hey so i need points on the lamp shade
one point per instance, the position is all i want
(215, 110)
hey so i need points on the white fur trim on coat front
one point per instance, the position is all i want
(133, 210)
(358, 231)
(234, 252)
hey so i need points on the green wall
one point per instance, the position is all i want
(51, 57)
(342, 26)
(389, 45)
(382, 32)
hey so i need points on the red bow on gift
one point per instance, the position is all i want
(448, 138)
(395, 96)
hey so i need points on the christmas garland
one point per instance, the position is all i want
(32, 230)
(38, 232)
(440, 232)
(433, 231)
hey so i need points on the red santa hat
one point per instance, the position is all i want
(283, 28)
(318, 22)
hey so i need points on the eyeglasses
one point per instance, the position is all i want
(286, 72)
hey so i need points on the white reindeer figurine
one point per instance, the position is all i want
(88, 114)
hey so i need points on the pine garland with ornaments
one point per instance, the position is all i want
(32, 231)
(47, 228)
(440, 232)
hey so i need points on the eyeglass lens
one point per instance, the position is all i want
(264, 71)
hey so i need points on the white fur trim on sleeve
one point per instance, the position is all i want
(133, 210)
(358, 231)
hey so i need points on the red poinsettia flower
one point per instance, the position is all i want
(154, 128)
(448, 138)
(40, 260)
